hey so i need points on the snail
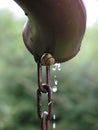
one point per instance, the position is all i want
(55, 29)
(47, 59)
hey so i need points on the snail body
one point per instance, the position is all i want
(54, 26)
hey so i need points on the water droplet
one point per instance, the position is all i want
(54, 125)
(54, 89)
(56, 66)
(54, 117)
(59, 67)
(55, 81)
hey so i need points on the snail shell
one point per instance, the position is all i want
(47, 59)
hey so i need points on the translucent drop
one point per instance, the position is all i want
(56, 66)
(59, 67)
(54, 89)
(54, 117)
(54, 125)
(55, 81)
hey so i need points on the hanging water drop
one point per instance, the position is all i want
(56, 66)
(54, 89)
(59, 67)
(55, 81)
(54, 125)
(54, 116)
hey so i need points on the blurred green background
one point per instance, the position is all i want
(75, 102)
